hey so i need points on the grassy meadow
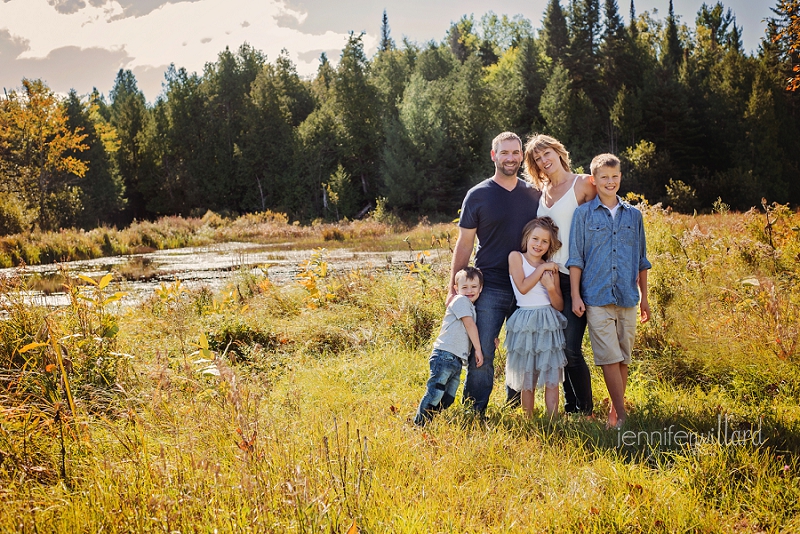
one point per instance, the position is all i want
(286, 408)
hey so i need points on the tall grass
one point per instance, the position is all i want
(286, 408)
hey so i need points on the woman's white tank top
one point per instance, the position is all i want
(537, 296)
(561, 212)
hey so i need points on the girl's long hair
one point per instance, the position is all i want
(545, 223)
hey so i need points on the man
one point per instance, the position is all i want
(494, 211)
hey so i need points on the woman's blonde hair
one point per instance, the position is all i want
(539, 143)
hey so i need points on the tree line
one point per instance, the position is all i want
(694, 118)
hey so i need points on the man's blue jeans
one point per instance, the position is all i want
(577, 378)
(493, 307)
(442, 385)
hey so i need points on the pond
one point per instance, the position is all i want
(212, 266)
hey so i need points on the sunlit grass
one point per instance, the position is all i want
(287, 408)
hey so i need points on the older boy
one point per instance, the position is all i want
(452, 347)
(607, 261)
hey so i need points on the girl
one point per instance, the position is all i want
(535, 332)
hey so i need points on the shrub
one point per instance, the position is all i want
(14, 216)
(332, 233)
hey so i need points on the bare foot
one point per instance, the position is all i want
(612, 418)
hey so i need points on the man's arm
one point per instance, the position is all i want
(644, 305)
(463, 251)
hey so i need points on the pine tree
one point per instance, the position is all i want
(554, 31)
(357, 105)
(436, 62)
(462, 39)
(582, 59)
(784, 39)
(633, 29)
(532, 83)
(268, 175)
(390, 72)
(763, 143)
(101, 188)
(672, 54)
(295, 93)
(387, 43)
(130, 118)
(415, 157)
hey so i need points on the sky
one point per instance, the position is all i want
(81, 44)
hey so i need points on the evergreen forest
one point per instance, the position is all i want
(695, 119)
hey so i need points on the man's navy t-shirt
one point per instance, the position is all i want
(499, 216)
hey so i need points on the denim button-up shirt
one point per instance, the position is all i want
(610, 251)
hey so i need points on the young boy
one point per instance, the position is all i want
(607, 261)
(451, 348)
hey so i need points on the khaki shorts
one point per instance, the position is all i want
(611, 330)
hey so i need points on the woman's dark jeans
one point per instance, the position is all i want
(577, 379)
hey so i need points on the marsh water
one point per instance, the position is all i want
(212, 266)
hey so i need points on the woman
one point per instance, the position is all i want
(547, 166)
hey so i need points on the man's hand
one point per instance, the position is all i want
(450, 295)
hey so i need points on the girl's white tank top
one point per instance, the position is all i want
(561, 212)
(537, 296)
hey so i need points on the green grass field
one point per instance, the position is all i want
(286, 408)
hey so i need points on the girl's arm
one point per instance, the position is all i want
(525, 284)
(553, 287)
(472, 332)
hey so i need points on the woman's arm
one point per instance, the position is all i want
(584, 189)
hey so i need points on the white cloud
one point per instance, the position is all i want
(188, 34)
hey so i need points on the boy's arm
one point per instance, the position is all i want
(644, 305)
(578, 307)
(575, 263)
(644, 265)
(472, 332)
